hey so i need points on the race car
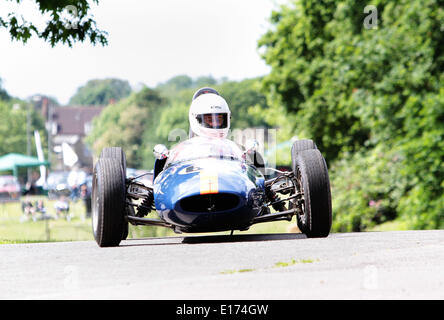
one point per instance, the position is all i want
(209, 185)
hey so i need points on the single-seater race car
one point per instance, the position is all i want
(210, 185)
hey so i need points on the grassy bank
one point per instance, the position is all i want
(14, 228)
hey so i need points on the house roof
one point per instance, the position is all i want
(74, 120)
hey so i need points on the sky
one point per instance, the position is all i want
(149, 42)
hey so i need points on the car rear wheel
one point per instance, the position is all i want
(314, 216)
(108, 203)
(302, 145)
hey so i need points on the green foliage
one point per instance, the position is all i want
(101, 92)
(69, 22)
(205, 81)
(16, 115)
(124, 124)
(183, 81)
(177, 83)
(366, 188)
(242, 97)
(173, 124)
(13, 134)
(3, 94)
(359, 92)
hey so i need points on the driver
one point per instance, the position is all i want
(209, 114)
(210, 117)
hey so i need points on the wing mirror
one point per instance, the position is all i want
(160, 151)
(251, 146)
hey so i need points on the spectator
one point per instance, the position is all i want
(30, 188)
(28, 210)
(75, 179)
(62, 208)
(85, 194)
(40, 208)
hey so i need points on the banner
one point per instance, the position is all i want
(38, 145)
(69, 155)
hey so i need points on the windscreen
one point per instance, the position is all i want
(200, 147)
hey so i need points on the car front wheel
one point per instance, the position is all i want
(314, 216)
(108, 202)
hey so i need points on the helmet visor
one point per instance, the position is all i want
(213, 120)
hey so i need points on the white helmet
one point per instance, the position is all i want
(209, 115)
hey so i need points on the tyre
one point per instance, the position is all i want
(302, 145)
(311, 175)
(108, 202)
(117, 154)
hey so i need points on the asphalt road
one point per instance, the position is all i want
(377, 265)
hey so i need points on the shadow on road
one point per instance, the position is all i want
(243, 238)
(212, 239)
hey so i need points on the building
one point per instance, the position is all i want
(70, 125)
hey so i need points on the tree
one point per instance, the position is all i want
(176, 83)
(241, 97)
(3, 94)
(305, 78)
(364, 93)
(204, 81)
(70, 22)
(182, 82)
(124, 124)
(101, 92)
(13, 131)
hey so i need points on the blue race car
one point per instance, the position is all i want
(208, 185)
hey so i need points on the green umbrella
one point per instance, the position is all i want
(13, 161)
